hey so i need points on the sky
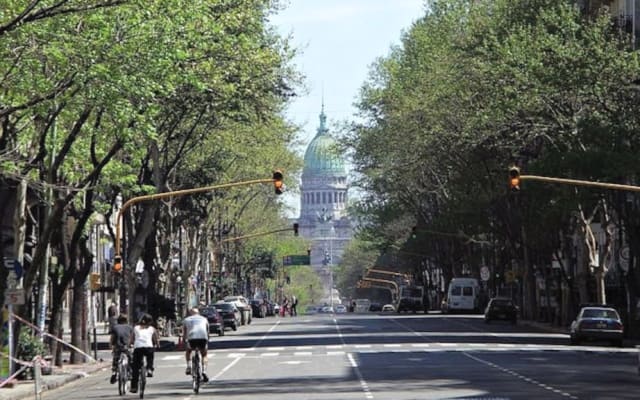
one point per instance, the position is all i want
(338, 41)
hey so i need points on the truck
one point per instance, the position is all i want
(411, 298)
(362, 305)
(463, 295)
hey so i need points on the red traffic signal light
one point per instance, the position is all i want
(295, 229)
(117, 264)
(277, 182)
(514, 178)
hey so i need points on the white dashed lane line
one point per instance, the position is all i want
(522, 377)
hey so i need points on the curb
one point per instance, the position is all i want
(544, 326)
(26, 389)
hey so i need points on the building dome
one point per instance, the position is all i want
(322, 156)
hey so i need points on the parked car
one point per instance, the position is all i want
(388, 308)
(230, 314)
(501, 309)
(341, 309)
(216, 321)
(258, 308)
(310, 310)
(270, 308)
(375, 307)
(243, 305)
(327, 310)
(597, 323)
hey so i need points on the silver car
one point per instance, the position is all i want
(597, 323)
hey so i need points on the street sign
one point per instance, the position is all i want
(296, 260)
(484, 274)
(14, 296)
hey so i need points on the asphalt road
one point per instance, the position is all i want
(374, 356)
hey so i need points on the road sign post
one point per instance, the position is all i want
(298, 259)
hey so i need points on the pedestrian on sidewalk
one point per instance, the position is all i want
(294, 306)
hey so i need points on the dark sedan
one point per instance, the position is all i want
(597, 323)
(230, 314)
(501, 309)
(216, 322)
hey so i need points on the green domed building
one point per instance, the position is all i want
(323, 201)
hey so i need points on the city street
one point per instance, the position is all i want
(390, 356)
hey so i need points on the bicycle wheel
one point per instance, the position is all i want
(142, 380)
(195, 371)
(123, 375)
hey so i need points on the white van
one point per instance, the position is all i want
(463, 295)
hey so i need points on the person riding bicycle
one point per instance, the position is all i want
(121, 334)
(145, 339)
(195, 333)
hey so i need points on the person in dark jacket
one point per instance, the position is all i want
(121, 333)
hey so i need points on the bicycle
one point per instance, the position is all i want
(142, 378)
(196, 370)
(124, 373)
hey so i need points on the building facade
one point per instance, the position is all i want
(323, 201)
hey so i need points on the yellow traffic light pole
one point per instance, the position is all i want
(381, 271)
(178, 193)
(576, 182)
(385, 281)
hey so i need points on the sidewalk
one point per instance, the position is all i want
(25, 389)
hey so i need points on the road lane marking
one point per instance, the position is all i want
(522, 377)
(363, 383)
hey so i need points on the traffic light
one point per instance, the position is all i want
(277, 182)
(414, 231)
(94, 281)
(514, 178)
(117, 264)
(295, 229)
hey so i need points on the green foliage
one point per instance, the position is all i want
(476, 86)
(30, 346)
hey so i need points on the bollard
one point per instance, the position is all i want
(37, 376)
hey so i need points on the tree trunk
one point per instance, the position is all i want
(55, 329)
(77, 320)
(601, 297)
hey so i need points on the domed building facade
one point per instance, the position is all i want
(323, 201)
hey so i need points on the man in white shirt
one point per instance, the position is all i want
(195, 330)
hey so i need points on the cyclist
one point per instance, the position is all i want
(145, 339)
(195, 333)
(121, 334)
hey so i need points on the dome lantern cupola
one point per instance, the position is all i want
(322, 156)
